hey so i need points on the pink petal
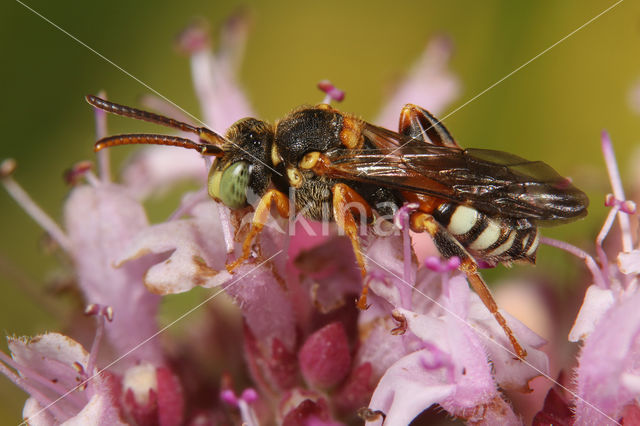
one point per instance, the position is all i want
(610, 352)
(556, 409)
(221, 99)
(101, 222)
(304, 408)
(152, 396)
(629, 263)
(596, 302)
(407, 389)
(330, 272)
(324, 357)
(495, 412)
(356, 391)
(56, 347)
(273, 367)
(99, 411)
(170, 398)
(198, 258)
(510, 372)
(197, 252)
(33, 413)
(265, 306)
(55, 357)
(378, 347)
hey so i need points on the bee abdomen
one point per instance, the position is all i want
(491, 239)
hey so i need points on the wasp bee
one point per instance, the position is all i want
(477, 204)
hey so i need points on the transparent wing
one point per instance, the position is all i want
(494, 182)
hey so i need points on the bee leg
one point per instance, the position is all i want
(260, 216)
(449, 247)
(346, 201)
(418, 123)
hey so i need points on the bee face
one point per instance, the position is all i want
(244, 168)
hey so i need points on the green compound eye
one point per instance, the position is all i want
(233, 185)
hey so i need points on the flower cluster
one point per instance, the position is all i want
(608, 325)
(300, 352)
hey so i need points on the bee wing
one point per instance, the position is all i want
(494, 182)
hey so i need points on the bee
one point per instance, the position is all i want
(477, 204)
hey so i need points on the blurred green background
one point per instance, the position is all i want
(553, 109)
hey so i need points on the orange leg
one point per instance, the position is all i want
(260, 217)
(344, 205)
(449, 246)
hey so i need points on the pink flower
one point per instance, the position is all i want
(49, 368)
(446, 350)
(155, 169)
(608, 323)
(311, 357)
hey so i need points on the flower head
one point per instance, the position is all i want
(310, 355)
(608, 323)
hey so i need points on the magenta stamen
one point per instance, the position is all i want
(401, 221)
(104, 163)
(437, 264)
(454, 263)
(600, 279)
(333, 93)
(610, 200)
(432, 263)
(626, 206)
(249, 395)
(97, 309)
(108, 313)
(31, 208)
(78, 367)
(78, 171)
(229, 397)
(92, 309)
(618, 191)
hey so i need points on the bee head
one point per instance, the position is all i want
(245, 168)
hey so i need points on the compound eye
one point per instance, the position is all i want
(233, 185)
